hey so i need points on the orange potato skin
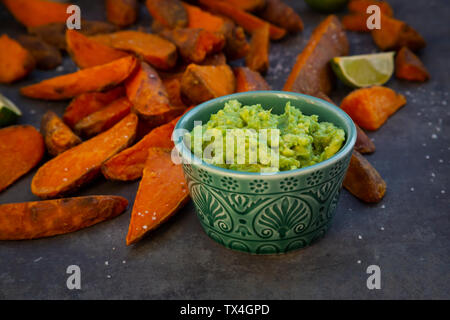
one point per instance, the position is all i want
(38, 219)
(122, 13)
(81, 164)
(47, 57)
(409, 67)
(129, 163)
(159, 52)
(86, 103)
(32, 13)
(363, 180)
(249, 80)
(312, 72)
(21, 149)
(258, 57)
(88, 53)
(371, 107)
(162, 192)
(87, 80)
(246, 20)
(150, 100)
(57, 135)
(282, 15)
(168, 13)
(202, 83)
(104, 118)
(16, 62)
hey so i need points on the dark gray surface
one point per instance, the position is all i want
(407, 234)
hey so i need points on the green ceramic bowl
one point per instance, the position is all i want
(264, 213)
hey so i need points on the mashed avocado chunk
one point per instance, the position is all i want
(290, 140)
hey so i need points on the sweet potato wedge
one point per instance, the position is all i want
(150, 101)
(32, 13)
(258, 56)
(55, 33)
(201, 19)
(249, 80)
(173, 89)
(104, 118)
(202, 83)
(355, 22)
(21, 148)
(87, 80)
(46, 56)
(38, 219)
(195, 44)
(122, 13)
(282, 15)
(371, 107)
(87, 103)
(216, 59)
(409, 67)
(363, 180)
(395, 34)
(311, 72)
(57, 135)
(246, 20)
(363, 143)
(87, 53)
(168, 13)
(236, 46)
(15, 61)
(129, 164)
(162, 191)
(360, 6)
(79, 165)
(248, 5)
(158, 52)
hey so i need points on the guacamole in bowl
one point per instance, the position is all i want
(296, 140)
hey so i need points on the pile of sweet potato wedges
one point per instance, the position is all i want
(131, 88)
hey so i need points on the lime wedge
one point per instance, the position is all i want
(326, 5)
(8, 112)
(364, 70)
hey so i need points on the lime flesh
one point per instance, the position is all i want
(364, 70)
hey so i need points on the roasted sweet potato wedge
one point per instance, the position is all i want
(122, 13)
(79, 165)
(409, 67)
(149, 98)
(371, 107)
(216, 59)
(57, 135)
(38, 219)
(395, 34)
(236, 46)
(46, 56)
(32, 13)
(129, 163)
(248, 5)
(363, 180)
(202, 83)
(15, 61)
(195, 44)
(282, 15)
(168, 13)
(87, 80)
(355, 22)
(258, 56)
(311, 72)
(246, 20)
(55, 33)
(21, 149)
(249, 80)
(87, 53)
(162, 191)
(104, 118)
(87, 103)
(173, 89)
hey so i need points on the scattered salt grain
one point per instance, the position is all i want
(383, 206)
(382, 228)
(64, 179)
(359, 261)
(441, 161)
(108, 276)
(434, 136)
(124, 261)
(442, 191)
(153, 218)
(106, 263)
(144, 227)
(412, 189)
(427, 157)
(359, 237)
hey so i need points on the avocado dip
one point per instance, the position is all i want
(299, 140)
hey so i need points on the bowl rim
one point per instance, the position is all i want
(348, 146)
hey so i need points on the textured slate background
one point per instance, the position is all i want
(407, 234)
